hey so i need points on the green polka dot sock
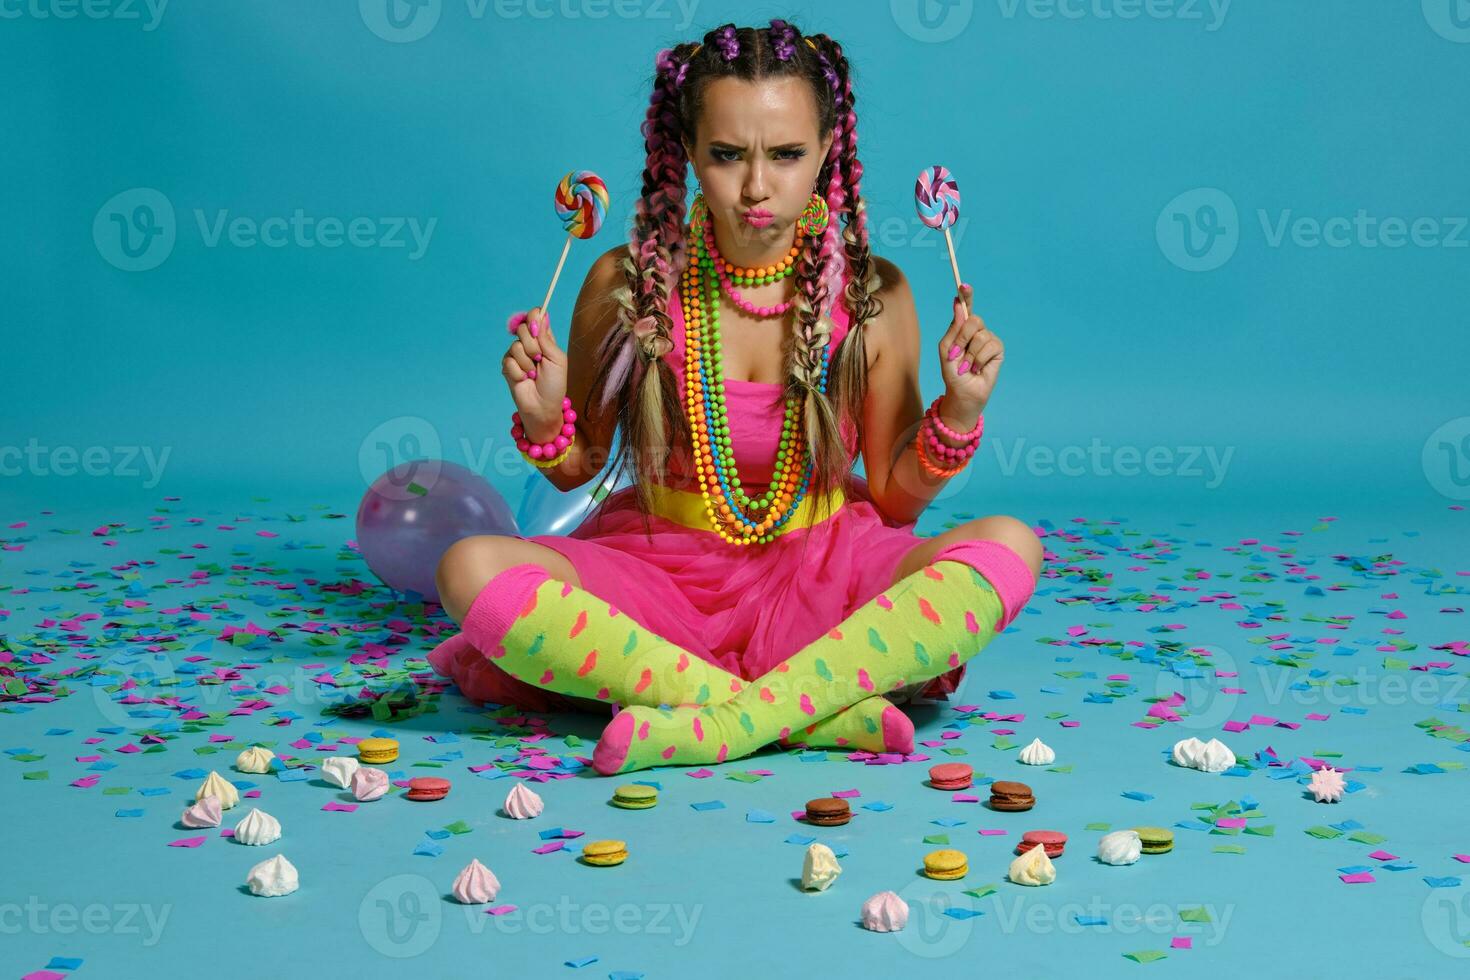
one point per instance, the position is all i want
(550, 636)
(929, 622)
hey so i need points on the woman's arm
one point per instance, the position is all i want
(593, 316)
(894, 409)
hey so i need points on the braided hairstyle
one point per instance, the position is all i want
(632, 372)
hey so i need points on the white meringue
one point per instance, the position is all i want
(1211, 756)
(257, 759)
(272, 877)
(1033, 867)
(1038, 753)
(1119, 847)
(820, 868)
(1327, 785)
(885, 912)
(258, 828)
(521, 803)
(220, 788)
(475, 885)
(338, 770)
(369, 784)
(205, 813)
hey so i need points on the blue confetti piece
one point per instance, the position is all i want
(64, 963)
(1400, 866)
(799, 839)
(155, 791)
(878, 806)
(1347, 825)
(1424, 768)
(429, 848)
(1354, 711)
(839, 851)
(578, 964)
(1236, 771)
(293, 775)
(959, 913)
(624, 975)
(1091, 920)
(1138, 795)
(128, 813)
(58, 731)
(759, 816)
(948, 822)
(1355, 869)
(551, 833)
(1449, 882)
(437, 834)
(1002, 696)
(708, 805)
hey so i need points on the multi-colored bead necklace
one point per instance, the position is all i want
(733, 514)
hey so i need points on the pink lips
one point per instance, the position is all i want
(758, 218)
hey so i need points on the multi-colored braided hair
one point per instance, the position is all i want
(633, 373)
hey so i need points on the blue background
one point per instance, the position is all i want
(1122, 179)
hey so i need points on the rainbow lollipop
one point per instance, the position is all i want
(937, 199)
(581, 204)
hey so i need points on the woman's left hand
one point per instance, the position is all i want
(970, 355)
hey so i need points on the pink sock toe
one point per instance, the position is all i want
(612, 748)
(898, 731)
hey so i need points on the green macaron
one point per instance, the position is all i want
(1155, 840)
(635, 796)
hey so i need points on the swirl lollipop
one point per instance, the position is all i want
(937, 199)
(581, 204)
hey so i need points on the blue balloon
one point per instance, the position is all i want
(546, 510)
(412, 514)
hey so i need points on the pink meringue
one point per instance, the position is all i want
(521, 803)
(205, 813)
(885, 912)
(369, 784)
(1327, 785)
(476, 884)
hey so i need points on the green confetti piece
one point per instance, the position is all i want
(458, 827)
(984, 891)
(1066, 768)
(37, 774)
(1229, 849)
(117, 790)
(1200, 914)
(937, 839)
(1324, 833)
(1146, 955)
(744, 777)
(1002, 743)
(1099, 826)
(956, 750)
(1365, 837)
(1267, 831)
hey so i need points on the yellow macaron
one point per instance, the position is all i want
(946, 864)
(605, 853)
(375, 751)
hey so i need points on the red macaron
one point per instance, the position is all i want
(951, 775)
(426, 789)
(1051, 841)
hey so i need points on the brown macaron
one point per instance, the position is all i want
(828, 811)
(1010, 796)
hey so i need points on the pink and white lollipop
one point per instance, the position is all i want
(937, 199)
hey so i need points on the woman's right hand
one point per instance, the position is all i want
(535, 368)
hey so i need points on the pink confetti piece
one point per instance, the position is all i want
(1315, 716)
(964, 798)
(1181, 942)
(186, 842)
(1463, 858)
(845, 794)
(1070, 724)
(1230, 822)
(1236, 726)
(1382, 855)
(1361, 878)
(336, 807)
(500, 910)
(548, 847)
(700, 774)
(993, 831)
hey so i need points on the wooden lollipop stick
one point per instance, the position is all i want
(557, 274)
(955, 268)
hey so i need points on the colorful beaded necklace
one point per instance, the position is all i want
(734, 515)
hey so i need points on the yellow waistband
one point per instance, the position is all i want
(687, 507)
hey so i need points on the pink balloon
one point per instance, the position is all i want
(412, 514)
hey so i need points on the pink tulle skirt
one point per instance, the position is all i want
(743, 608)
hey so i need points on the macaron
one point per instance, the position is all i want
(828, 811)
(951, 775)
(427, 789)
(1010, 796)
(635, 796)
(946, 864)
(605, 853)
(1155, 840)
(376, 751)
(1052, 841)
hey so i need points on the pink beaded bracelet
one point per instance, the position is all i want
(973, 436)
(537, 452)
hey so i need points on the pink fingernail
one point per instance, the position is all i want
(536, 358)
(954, 351)
(534, 328)
(964, 366)
(967, 286)
(531, 374)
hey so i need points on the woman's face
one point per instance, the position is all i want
(757, 158)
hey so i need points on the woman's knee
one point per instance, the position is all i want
(470, 562)
(1012, 532)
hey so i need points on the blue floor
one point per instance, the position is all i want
(1344, 618)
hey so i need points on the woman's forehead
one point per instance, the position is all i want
(771, 111)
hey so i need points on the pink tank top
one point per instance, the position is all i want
(755, 408)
